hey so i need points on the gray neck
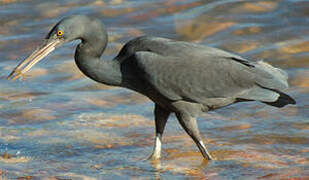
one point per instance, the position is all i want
(87, 58)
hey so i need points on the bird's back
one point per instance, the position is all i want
(169, 47)
(179, 70)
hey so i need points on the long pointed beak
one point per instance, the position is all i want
(41, 52)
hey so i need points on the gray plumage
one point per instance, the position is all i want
(179, 70)
(179, 77)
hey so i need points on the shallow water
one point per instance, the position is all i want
(59, 124)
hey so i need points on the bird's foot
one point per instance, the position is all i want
(152, 157)
(209, 157)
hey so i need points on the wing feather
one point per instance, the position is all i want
(186, 71)
(193, 80)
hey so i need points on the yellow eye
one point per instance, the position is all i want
(59, 33)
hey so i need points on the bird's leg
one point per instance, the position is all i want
(161, 116)
(190, 125)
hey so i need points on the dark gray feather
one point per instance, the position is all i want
(187, 71)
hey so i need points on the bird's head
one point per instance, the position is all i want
(66, 30)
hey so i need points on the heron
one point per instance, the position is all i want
(181, 78)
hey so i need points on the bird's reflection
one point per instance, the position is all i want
(159, 167)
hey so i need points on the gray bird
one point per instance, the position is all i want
(179, 77)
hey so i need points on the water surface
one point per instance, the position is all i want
(59, 124)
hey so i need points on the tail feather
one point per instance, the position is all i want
(271, 81)
(270, 77)
(282, 100)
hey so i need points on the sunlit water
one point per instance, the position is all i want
(59, 124)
